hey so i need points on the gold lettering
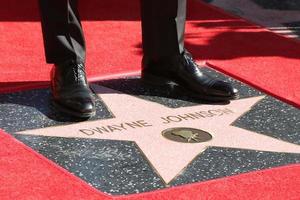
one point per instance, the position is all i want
(227, 111)
(87, 132)
(165, 120)
(174, 119)
(121, 126)
(143, 123)
(196, 115)
(134, 125)
(101, 130)
(113, 128)
(213, 112)
(186, 117)
(204, 114)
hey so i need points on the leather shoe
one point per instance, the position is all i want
(183, 71)
(70, 90)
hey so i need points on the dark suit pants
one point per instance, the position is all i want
(163, 24)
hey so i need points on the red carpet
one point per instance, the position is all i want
(24, 174)
(231, 45)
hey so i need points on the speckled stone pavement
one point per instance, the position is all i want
(122, 149)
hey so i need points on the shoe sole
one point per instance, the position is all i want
(160, 81)
(72, 113)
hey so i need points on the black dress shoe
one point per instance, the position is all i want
(70, 90)
(182, 71)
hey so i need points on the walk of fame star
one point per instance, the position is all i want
(143, 122)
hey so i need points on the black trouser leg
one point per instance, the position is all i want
(62, 31)
(163, 24)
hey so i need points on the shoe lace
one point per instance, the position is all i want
(79, 72)
(76, 72)
(196, 68)
(188, 61)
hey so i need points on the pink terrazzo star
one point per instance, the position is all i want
(142, 122)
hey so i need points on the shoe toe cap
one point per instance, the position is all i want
(81, 105)
(224, 89)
